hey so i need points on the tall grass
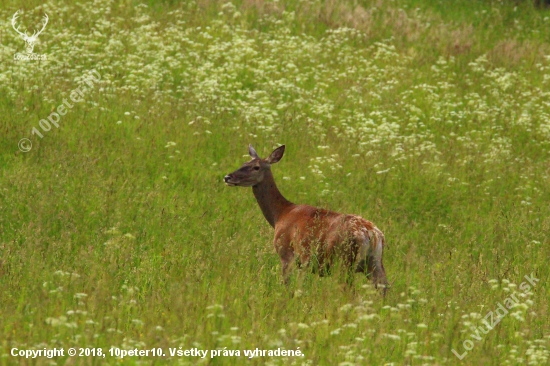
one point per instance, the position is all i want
(429, 118)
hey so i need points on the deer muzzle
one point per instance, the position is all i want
(227, 180)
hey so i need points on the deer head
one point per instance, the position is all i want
(30, 40)
(253, 172)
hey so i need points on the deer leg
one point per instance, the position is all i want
(287, 258)
(362, 248)
(320, 264)
(361, 266)
(381, 278)
(375, 268)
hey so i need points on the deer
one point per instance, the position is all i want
(310, 234)
(29, 40)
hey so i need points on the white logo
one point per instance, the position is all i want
(29, 40)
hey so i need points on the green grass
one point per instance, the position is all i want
(429, 118)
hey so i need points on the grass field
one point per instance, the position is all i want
(429, 118)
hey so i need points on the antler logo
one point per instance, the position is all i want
(29, 40)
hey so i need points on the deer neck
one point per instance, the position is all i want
(271, 201)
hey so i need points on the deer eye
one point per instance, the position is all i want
(256, 168)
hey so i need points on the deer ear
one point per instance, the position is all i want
(276, 155)
(252, 152)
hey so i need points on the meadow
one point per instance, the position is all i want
(430, 118)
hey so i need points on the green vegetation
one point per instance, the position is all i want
(429, 118)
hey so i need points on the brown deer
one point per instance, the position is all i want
(312, 234)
